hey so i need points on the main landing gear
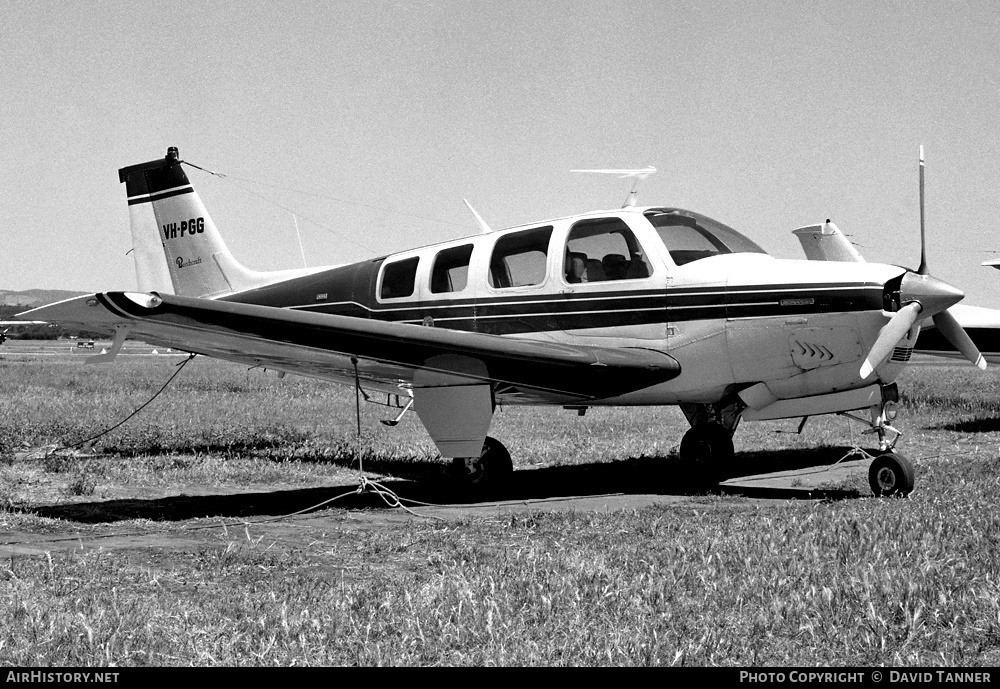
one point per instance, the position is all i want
(490, 471)
(706, 450)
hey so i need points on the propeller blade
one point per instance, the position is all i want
(922, 270)
(891, 333)
(954, 333)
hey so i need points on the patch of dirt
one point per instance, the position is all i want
(191, 517)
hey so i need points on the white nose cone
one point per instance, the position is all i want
(933, 295)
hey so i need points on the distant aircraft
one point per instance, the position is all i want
(635, 306)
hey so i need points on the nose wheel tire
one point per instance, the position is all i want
(490, 470)
(891, 475)
(706, 452)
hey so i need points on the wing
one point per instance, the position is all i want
(641, 173)
(383, 355)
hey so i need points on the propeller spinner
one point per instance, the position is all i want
(922, 296)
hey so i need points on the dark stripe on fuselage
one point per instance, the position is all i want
(349, 291)
(516, 315)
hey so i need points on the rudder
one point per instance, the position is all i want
(177, 247)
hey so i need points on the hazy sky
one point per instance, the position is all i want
(373, 120)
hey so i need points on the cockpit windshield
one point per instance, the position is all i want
(691, 236)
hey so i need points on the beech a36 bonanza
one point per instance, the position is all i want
(634, 306)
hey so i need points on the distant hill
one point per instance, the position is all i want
(35, 297)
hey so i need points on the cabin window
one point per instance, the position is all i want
(398, 278)
(451, 269)
(519, 258)
(604, 249)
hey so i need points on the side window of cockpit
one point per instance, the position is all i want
(451, 269)
(519, 258)
(604, 249)
(398, 278)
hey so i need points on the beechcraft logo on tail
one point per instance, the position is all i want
(188, 227)
(181, 263)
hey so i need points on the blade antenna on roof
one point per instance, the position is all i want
(635, 173)
(486, 229)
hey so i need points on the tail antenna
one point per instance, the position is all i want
(635, 173)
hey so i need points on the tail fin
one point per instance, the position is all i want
(178, 249)
(826, 243)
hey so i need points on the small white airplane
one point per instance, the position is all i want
(635, 306)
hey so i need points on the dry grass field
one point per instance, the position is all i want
(191, 534)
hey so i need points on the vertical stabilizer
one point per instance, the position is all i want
(826, 243)
(177, 247)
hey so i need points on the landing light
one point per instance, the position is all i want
(890, 409)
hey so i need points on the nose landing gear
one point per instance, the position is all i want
(890, 473)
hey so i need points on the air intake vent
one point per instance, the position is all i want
(901, 355)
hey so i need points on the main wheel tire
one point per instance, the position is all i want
(891, 475)
(706, 452)
(491, 470)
